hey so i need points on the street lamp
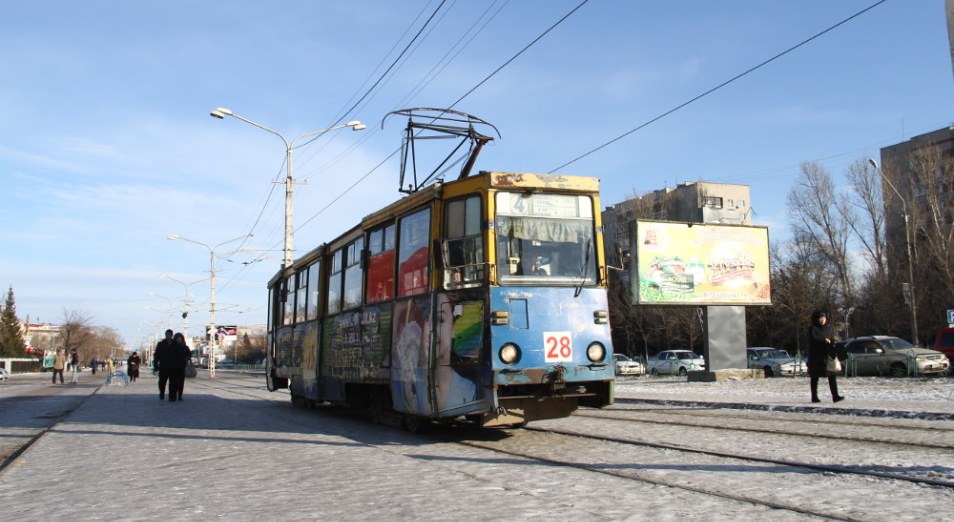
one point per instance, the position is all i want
(356, 125)
(212, 337)
(186, 300)
(907, 241)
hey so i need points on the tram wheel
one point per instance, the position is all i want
(413, 423)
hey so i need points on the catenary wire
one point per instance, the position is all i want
(721, 85)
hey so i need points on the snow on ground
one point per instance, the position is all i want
(870, 396)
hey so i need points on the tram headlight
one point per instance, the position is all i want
(595, 352)
(509, 353)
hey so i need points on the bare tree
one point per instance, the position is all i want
(866, 197)
(821, 218)
(929, 187)
(77, 332)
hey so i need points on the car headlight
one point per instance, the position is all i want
(920, 358)
(595, 352)
(509, 353)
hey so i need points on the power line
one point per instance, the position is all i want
(721, 85)
(469, 92)
(514, 57)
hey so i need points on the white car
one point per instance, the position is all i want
(675, 362)
(627, 366)
(773, 361)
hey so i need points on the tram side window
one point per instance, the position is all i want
(302, 297)
(463, 248)
(288, 288)
(334, 283)
(413, 253)
(314, 290)
(380, 265)
(353, 276)
(272, 308)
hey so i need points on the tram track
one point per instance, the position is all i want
(647, 475)
(807, 430)
(822, 468)
(673, 465)
(629, 475)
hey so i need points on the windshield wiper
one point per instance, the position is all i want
(583, 270)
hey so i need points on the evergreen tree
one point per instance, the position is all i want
(11, 339)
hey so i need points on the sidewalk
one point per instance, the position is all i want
(235, 451)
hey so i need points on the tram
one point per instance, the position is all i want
(480, 299)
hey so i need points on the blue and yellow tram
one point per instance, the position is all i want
(482, 298)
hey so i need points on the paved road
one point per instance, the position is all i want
(233, 450)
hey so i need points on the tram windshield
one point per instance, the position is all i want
(544, 239)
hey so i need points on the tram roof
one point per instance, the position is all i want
(493, 180)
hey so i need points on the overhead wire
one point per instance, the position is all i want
(366, 94)
(720, 86)
(431, 75)
(468, 93)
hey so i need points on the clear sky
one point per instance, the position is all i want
(107, 146)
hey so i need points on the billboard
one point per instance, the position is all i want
(225, 334)
(699, 264)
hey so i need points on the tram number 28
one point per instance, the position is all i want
(558, 346)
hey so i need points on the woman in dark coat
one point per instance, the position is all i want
(177, 377)
(820, 349)
(132, 366)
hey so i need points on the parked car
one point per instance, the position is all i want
(886, 355)
(773, 361)
(627, 366)
(672, 362)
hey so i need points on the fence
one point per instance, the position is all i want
(20, 364)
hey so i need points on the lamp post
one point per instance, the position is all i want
(212, 336)
(907, 241)
(356, 125)
(185, 300)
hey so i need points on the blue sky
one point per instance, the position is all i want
(107, 147)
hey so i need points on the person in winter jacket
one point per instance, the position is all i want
(820, 349)
(164, 361)
(59, 363)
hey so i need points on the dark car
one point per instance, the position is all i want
(886, 355)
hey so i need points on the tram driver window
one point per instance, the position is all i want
(545, 239)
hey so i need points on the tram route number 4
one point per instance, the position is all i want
(558, 346)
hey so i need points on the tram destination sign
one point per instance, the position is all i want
(699, 264)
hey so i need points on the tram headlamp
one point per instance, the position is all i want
(595, 352)
(509, 353)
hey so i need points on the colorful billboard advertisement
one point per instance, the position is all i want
(700, 264)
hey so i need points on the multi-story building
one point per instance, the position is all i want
(918, 190)
(922, 171)
(40, 337)
(691, 202)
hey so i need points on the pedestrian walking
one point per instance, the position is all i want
(821, 349)
(110, 369)
(132, 366)
(59, 363)
(74, 362)
(183, 354)
(163, 361)
(92, 365)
